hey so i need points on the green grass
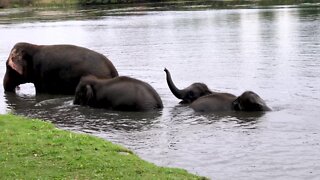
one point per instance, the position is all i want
(33, 149)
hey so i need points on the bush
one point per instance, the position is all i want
(4, 3)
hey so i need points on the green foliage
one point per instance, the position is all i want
(32, 149)
(207, 3)
(38, 3)
(4, 3)
(102, 2)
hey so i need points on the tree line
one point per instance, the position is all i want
(22, 3)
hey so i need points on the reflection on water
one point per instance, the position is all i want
(274, 52)
(78, 117)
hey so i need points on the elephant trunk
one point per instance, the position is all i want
(176, 92)
(8, 84)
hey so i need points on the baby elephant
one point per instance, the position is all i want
(248, 101)
(188, 94)
(120, 93)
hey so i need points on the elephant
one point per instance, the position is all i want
(54, 69)
(202, 99)
(188, 94)
(247, 101)
(120, 93)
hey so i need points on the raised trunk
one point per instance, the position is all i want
(176, 92)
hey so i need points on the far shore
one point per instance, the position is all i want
(173, 3)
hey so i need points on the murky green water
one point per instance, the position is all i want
(272, 51)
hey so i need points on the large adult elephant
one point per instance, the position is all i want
(188, 94)
(120, 93)
(247, 101)
(54, 69)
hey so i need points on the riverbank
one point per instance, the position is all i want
(37, 3)
(196, 3)
(33, 149)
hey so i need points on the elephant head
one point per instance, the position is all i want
(18, 63)
(85, 93)
(189, 94)
(249, 101)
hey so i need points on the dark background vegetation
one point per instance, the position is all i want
(37, 3)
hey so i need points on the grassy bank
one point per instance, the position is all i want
(33, 149)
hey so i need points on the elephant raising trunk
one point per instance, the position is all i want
(189, 94)
(176, 92)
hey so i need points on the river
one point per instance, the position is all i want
(272, 51)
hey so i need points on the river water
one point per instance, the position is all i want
(273, 51)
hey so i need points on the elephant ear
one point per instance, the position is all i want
(16, 61)
(84, 94)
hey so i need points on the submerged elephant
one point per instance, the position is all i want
(54, 69)
(120, 93)
(247, 101)
(188, 94)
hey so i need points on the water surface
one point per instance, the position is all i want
(274, 52)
